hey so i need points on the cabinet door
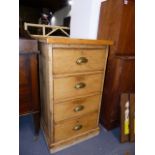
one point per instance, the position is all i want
(120, 78)
(24, 84)
(117, 23)
(126, 43)
(28, 83)
(110, 22)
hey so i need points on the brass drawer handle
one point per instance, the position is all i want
(80, 85)
(79, 108)
(77, 127)
(81, 60)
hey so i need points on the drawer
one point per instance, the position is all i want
(74, 127)
(69, 87)
(76, 107)
(78, 60)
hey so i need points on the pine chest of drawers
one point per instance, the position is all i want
(71, 82)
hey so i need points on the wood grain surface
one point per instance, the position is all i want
(65, 87)
(64, 60)
(61, 40)
(67, 109)
(66, 129)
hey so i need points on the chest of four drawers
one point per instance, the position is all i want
(71, 83)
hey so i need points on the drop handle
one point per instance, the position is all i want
(81, 60)
(77, 127)
(80, 85)
(78, 108)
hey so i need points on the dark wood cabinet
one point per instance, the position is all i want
(120, 78)
(28, 80)
(117, 23)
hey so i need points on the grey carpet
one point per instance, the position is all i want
(106, 143)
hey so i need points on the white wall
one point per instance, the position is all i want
(59, 16)
(84, 18)
(94, 20)
(80, 16)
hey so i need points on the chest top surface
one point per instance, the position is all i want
(75, 41)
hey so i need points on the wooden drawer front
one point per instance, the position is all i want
(65, 60)
(68, 87)
(75, 126)
(77, 107)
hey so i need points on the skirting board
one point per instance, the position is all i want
(75, 140)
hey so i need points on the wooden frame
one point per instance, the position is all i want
(124, 123)
(132, 117)
(127, 117)
(44, 27)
